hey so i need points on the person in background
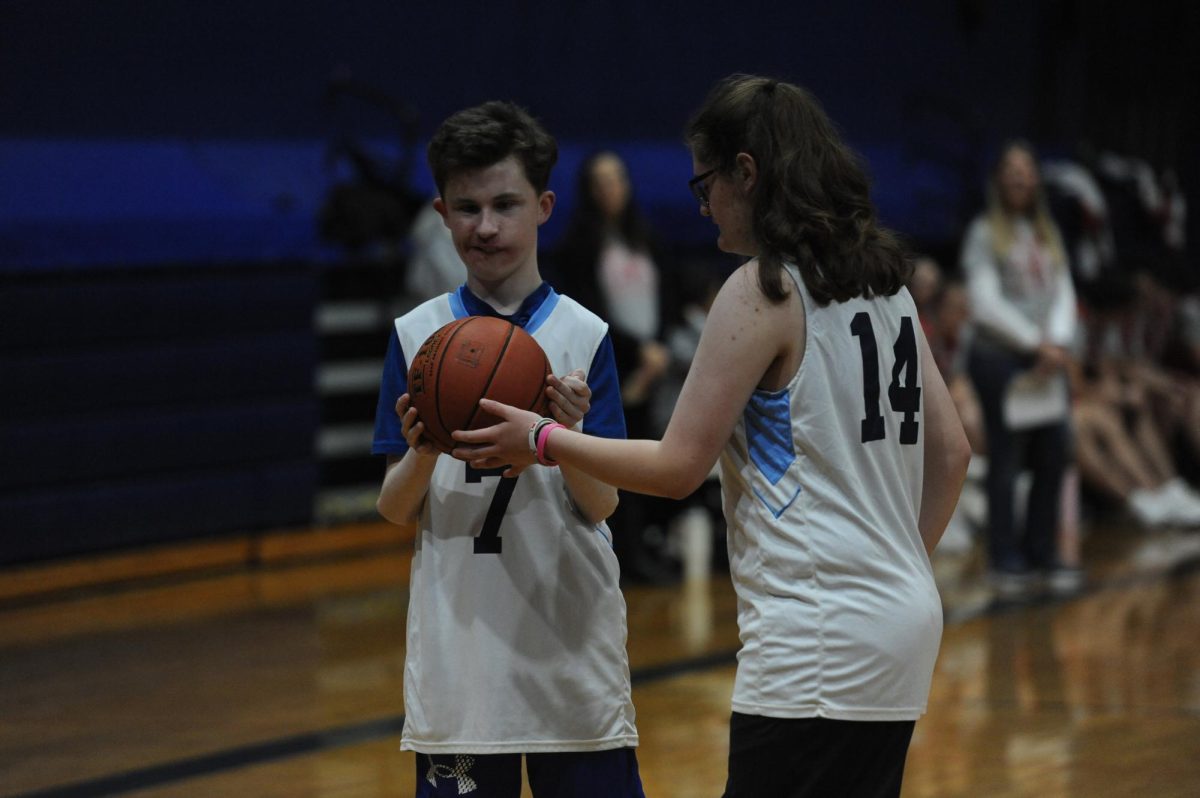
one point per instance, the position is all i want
(1023, 307)
(944, 306)
(608, 261)
(945, 313)
(434, 267)
(1121, 450)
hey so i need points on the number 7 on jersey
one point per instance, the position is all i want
(488, 541)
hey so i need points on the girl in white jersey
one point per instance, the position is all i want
(841, 453)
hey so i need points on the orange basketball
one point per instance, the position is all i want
(470, 359)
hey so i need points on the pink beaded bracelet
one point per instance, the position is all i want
(543, 435)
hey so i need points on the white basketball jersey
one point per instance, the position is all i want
(516, 623)
(837, 609)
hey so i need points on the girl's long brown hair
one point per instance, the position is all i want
(811, 203)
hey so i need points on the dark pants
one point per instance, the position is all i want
(641, 522)
(1045, 450)
(571, 774)
(802, 757)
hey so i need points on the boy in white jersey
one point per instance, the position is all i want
(841, 452)
(516, 624)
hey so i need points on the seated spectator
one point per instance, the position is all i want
(1122, 454)
(924, 284)
(952, 334)
(944, 310)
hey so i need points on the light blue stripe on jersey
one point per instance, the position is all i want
(768, 425)
(777, 511)
(769, 433)
(542, 313)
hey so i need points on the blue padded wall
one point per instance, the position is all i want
(147, 405)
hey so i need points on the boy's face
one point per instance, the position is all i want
(493, 215)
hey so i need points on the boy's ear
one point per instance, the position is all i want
(545, 206)
(439, 206)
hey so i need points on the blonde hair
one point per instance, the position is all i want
(1000, 220)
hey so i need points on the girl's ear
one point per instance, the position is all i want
(746, 172)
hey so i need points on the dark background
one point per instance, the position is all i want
(163, 165)
(925, 89)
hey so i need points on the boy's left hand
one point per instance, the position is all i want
(570, 397)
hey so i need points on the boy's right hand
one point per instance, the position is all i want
(413, 429)
(570, 397)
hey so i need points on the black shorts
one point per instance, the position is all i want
(794, 757)
(571, 774)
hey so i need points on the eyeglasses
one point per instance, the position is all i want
(699, 188)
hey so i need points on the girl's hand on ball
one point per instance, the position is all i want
(505, 443)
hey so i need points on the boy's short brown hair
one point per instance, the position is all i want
(476, 138)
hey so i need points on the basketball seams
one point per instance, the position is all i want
(492, 376)
(540, 394)
(441, 363)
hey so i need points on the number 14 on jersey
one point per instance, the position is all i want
(903, 397)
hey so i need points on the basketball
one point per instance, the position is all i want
(470, 359)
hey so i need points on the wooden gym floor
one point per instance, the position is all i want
(187, 673)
